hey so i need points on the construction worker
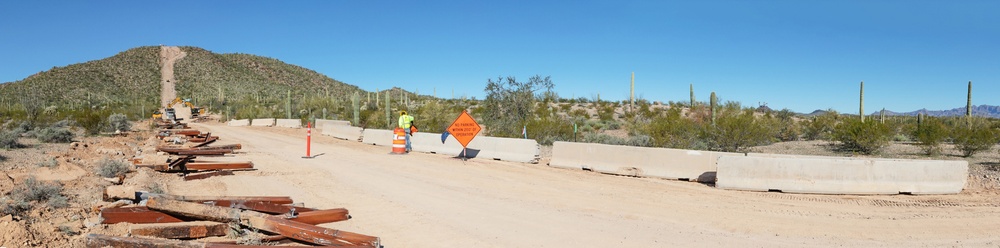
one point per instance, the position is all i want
(405, 122)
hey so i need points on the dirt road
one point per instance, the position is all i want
(427, 200)
(168, 56)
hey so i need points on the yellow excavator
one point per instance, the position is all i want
(195, 111)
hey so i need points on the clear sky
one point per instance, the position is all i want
(801, 55)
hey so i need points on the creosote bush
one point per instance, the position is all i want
(930, 134)
(739, 132)
(865, 137)
(8, 140)
(55, 135)
(974, 138)
(119, 123)
(111, 168)
(29, 191)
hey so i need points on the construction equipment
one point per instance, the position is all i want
(195, 111)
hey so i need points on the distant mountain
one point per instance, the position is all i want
(981, 110)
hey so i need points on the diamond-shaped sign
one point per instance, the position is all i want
(464, 128)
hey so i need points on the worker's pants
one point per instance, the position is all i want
(408, 147)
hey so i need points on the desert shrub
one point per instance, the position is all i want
(111, 168)
(119, 122)
(974, 138)
(820, 127)
(29, 191)
(91, 120)
(579, 113)
(930, 134)
(549, 130)
(864, 137)
(671, 130)
(508, 104)
(8, 140)
(600, 138)
(51, 162)
(739, 132)
(54, 135)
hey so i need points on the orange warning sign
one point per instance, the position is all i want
(464, 128)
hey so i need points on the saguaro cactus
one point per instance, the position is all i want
(691, 86)
(968, 102)
(713, 102)
(881, 116)
(861, 112)
(388, 113)
(631, 98)
(355, 102)
(324, 113)
(288, 105)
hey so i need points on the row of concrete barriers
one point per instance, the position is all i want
(506, 149)
(739, 171)
(769, 172)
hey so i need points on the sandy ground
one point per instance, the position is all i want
(427, 200)
(168, 56)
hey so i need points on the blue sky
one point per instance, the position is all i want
(801, 55)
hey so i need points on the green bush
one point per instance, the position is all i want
(55, 135)
(864, 137)
(821, 127)
(111, 168)
(739, 132)
(600, 138)
(930, 134)
(549, 130)
(119, 123)
(671, 130)
(974, 138)
(8, 140)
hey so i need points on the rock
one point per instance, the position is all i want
(7, 218)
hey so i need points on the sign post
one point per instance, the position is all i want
(464, 128)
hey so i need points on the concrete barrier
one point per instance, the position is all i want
(831, 175)
(342, 132)
(638, 161)
(379, 137)
(239, 123)
(262, 122)
(322, 122)
(506, 149)
(289, 123)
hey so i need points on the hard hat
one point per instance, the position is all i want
(402, 112)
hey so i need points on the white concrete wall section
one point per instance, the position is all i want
(342, 132)
(506, 149)
(379, 137)
(841, 175)
(638, 161)
(322, 122)
(239, 123)
(289, 123)
(262, 122)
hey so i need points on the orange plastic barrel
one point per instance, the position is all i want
(399, 141)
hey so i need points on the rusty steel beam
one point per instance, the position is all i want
(204, 175)
(322, 216)
(201, 199)
(102, 241)
(180, 230)
(274, 224)
(137, 215)
(259, 206)
(208, 152)
(209, 165)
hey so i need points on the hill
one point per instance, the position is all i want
(129, 82)
(981, 110)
